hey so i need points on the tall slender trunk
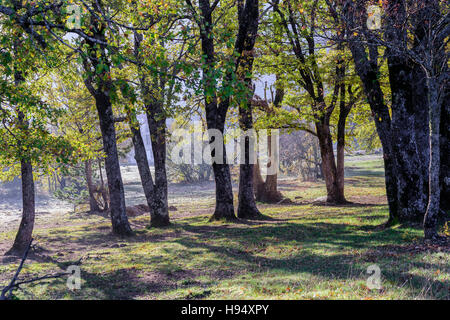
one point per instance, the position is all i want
(432, 213)
(153, 96)
(247, 205)
(215, 113)
(104, 192)
(344, 110)
(119, 219)
(248, 17)
(140, 155)
(93, 205)
(100, 86)
(367, 71)
(25, 233)
(445, 150)
(157, 125)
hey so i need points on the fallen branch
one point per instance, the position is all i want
(7, 292)
(9, 288)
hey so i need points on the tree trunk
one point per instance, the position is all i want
(119, 219)
(248, 29)
(93, 205)
(258, 182)
(215, 114)
(153, 96)
(224, 193)
(344, 110)
(445, 151)
(334, 196)
(432, 213)
(266, 191)
(411, 175)
(157, 125)
(99, 84)
(247, 205)
(140, 155)
(25, 233)
(103, 190)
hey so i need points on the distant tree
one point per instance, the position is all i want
(316, 75)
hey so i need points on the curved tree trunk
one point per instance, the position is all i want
(140, 155)
(25, 233)
(100, 85)
(119, 219)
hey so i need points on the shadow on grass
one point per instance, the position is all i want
(239, 246)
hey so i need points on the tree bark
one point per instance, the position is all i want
(104, 192)
(157, 126)
(432, 213)
(266, 191)
(334, 195)
(93, 205)
(25, 233)
(119, 219)
(156, 119)
(344, 110)
(445, 151)
(248, 29)
(224, 193)
(140, 155)
(99, 84)
(247, 208)
(412, 176)
(215, 112)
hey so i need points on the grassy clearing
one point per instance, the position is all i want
(303, 251)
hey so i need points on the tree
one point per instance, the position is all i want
(218, 100)
(27, 143)
(404, 36)
(267, 190)
(47, 24)
(322, 83)
(248, 20)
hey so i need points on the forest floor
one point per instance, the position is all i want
(305, 250)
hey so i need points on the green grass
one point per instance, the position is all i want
(303, 251)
